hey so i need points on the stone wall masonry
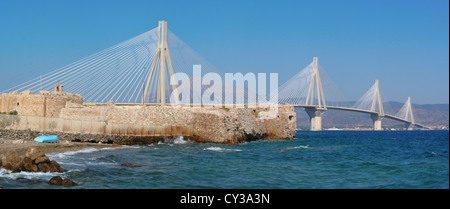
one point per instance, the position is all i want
(91, 127)
(62, 112)
(43, 104)
(219, 125)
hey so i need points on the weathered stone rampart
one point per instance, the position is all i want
(43, 104)
(207, 124)
(64, 112)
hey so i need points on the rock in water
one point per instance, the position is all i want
(34, 153)
(129, 165)
(57, 180)
(27, 163)
(42, 159)
(68, 182)
(126, 164)
(34, 160)
(43, 167)
(54, 167)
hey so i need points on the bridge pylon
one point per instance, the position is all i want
(315, 87)
(158, 65)
(315, 110)
(406, 113)
(410, 126)
(377, 101)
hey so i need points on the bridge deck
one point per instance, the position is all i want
(366, 111)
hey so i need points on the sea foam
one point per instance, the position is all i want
(28, 175)
(59, 155)
(220, 149)
(176, 140)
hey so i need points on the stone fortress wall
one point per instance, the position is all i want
(205, 124)
(42, 104)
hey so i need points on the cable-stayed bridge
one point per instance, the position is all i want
(135, 72)
(305, 90)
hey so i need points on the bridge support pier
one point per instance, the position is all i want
(315, 117)
(409, 126)
(376, 122)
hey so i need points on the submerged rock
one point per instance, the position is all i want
(130, 165)
(55, 180)
(68, 182)
(58, 180)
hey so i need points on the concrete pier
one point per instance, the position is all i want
(376, 122)
(315, 117)
(409, 126)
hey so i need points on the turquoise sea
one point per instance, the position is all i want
(323, 160)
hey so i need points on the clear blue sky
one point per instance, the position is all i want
(403, 43)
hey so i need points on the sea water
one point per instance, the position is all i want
(327, 159)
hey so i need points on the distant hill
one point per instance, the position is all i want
(433, 115)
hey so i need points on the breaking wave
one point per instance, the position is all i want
(59, 155)
(176, 140)
(219, 149)
(28, 175)
(299, 147)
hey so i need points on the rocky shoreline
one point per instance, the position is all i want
(24, 136)
(216, 125)
(20, 141)
(34, 160)
(19, 153)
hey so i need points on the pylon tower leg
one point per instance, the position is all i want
(162, 56)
